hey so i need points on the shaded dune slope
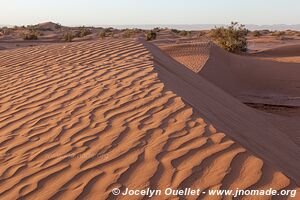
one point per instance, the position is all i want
(250, 79)
(285, 51)
(225, 112)
(289, 54)
(80, 119)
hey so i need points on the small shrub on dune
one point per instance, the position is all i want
(278, 33)
(256, 33)
(151, 35)
(102, 34)
(106, 33)
(128, 33)
(231, 38)
(58, 26)
(157, 29)
(30, 36)
(84, 32)
(265, 32)
(68, 37)
(185, 33)
(175, 31)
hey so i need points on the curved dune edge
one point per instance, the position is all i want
(287, 54)
(284, 51)
(248, 78)
(80, 119)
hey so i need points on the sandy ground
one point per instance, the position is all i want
(80, 119)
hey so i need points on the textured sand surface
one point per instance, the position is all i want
(194, 56)
(78, 120)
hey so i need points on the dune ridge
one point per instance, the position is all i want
(77, 120)
(226, 112)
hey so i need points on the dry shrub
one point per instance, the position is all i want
(231, 38)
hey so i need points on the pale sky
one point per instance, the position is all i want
(117, 12)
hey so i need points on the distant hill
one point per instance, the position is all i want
(48, 26)
(279, 27)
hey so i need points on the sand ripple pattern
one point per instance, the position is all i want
(194, 55)
(78, 120)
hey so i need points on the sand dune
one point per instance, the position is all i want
(249, 79)
(284, 51)
(77, 120)
(288, 53)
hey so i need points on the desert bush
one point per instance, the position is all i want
(107, 32)
(31, 28)
(256, 33)
(68, 36)
(185, 33)
(231, 38)
(32, 35)
(102, 34)
(278, 33)
(58, 26)
(128, 33)
(175, 31)
(265, 32)
(157, 29)
(151, 35)
(84, 32)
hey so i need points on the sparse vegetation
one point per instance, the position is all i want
(265, 32)
(31, 28)
(278, 33)
(201, 34)
(5, 31)
(175, 31)
(68, 36)
(107, 32)
(58, 26)
(151, 35)
(128, 33)
(102, 34)
(83, 31)
(231, 38)
(31, 35)
(256, 33)
(185, 33)
(157, 29)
